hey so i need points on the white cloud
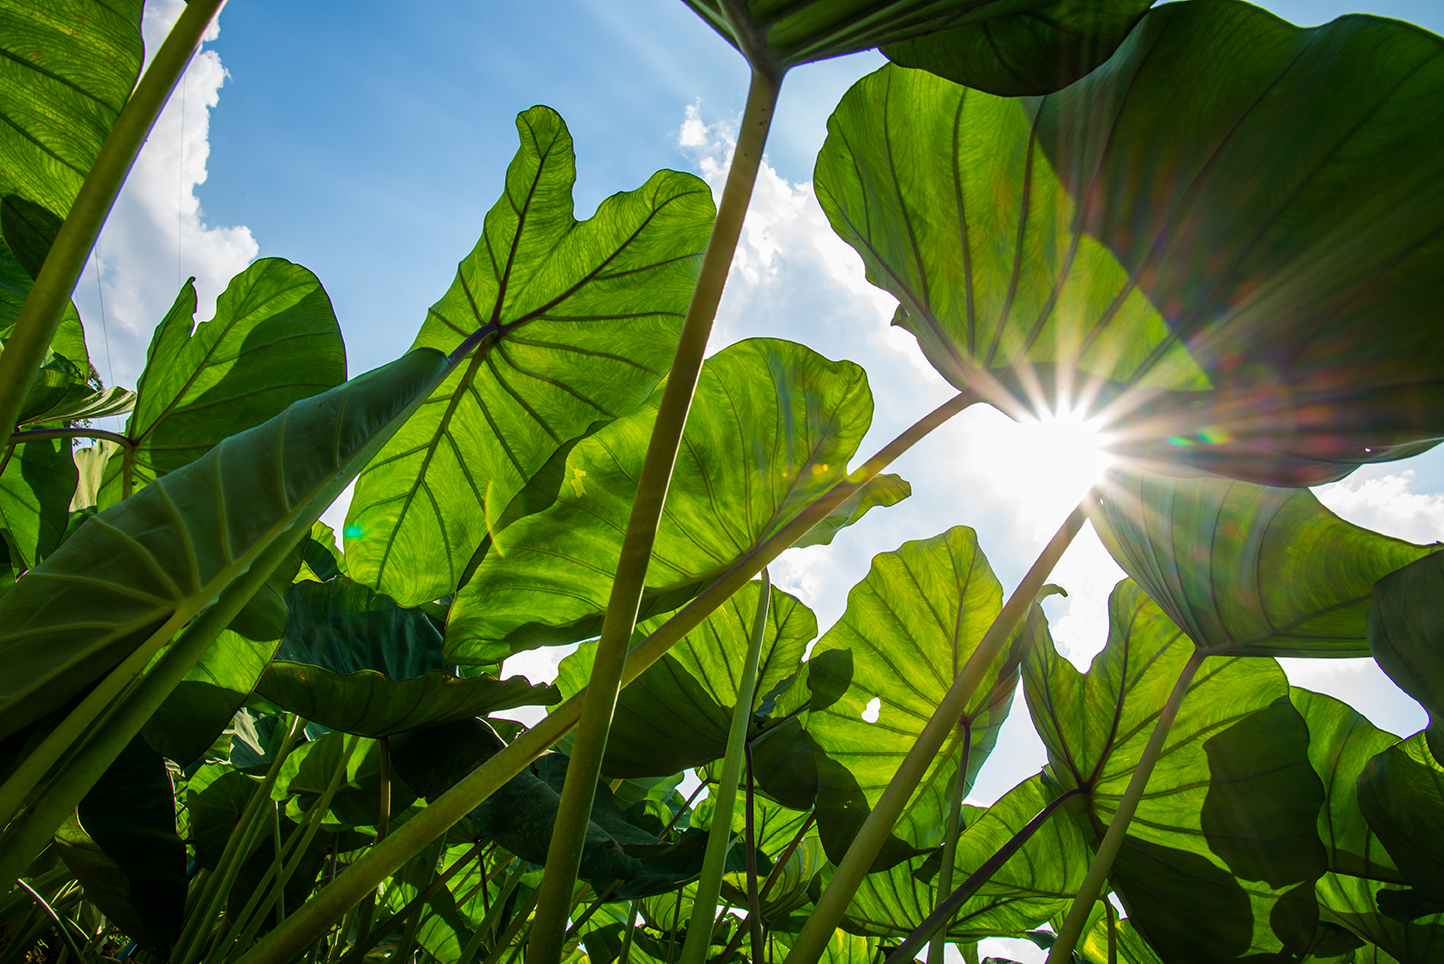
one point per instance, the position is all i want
(1387, 504)
(157, 234)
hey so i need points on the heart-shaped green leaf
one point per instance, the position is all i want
(909, 628)
(586, 315)
(1248, 569)
(677, 713)
(1401, 793)
(1406, 629)
(273, 341)
(1033, 48)
(37, 482)
(67, 70)
(1227, 825)
(1033, 885)
(1223, 242)
(141, 569)
(1355, 903)
(355, 661)
(772, 426)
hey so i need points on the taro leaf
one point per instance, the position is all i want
(1355, 902)
(273, 341)
(1224, 241)
(353, 660)
(37, 481)
(90, 467)
(320, 559)
(215, 798)
(61, 382)
(142, 569)
(586, 317)
(1129, 947)
(1038, 49)
(263, 859)
(445, 925)
(677, 713)
(138, 876)
(1401, 792)
(842, 948)
(1406, 637)
(1341, 743)
(66, 71)
(910, 626)
(102, 404)
(307, 771)
(771, 428)
(1228, 825)
(1248, 569)
(1032, 46)
(1037, 882)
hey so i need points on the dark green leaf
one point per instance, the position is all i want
(587, 317)
(1401, 792)
(1247, 569)
(677, 713)
(1223, 242)
(1035, 49)
(273, 341)
(66, 71)
(910, 626)
(1355, 903)
(308, 770)
(143, 568)
(772, 426)
(216, 796)
(353, 660)
(1037, 882)
(129, 817)
(1406, 637)
(1341, 743)
(1227, 827)
(37, 482)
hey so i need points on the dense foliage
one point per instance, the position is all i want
(227, 736)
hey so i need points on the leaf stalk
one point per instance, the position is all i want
(1092, 886)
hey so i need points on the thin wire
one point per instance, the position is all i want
(100, 294)
(180, 182)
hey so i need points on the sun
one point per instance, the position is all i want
(1042, 465)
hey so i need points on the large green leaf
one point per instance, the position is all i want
(1227, 827)
(1248, 569)
(586, 317)
(353, 660)
(772, 426)
(1223, 242)
(66, 71)
(141, 569)
(273, 341)
(1034, 884)
(1354, 902)
(1406, 637)
(61, 383)
(909, 628)
(1031, 46)
(677, 713)
(1341, 744)
(37, 481)
(1401, 793)
(129, 815)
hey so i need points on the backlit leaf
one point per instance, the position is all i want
(1401, 792)
(587, 316)
(1406, 637)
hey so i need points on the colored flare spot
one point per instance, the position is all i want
(351, 532)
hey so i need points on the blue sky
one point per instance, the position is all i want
(367, 140)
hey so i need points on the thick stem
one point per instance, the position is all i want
(40, 316)
(39, 434)
(402, 954)
(938, 920)
(383, 820)
(382, 861)
(625, 956)
(1092, 886)
(565, 853)
(950, 843)
(812, 940)
(709, 885)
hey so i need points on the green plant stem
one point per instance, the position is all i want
(565, 853)
(1112, 931)
(938, 920)
(518, 921)
(34, 827)
(383, 820)
(362, 877)
(1102, 866)
(812, 940)
(754, 900)
(40, 434)
(191, 942)
(951, 831)
(60, 922)
(40, 316)
(402, 954)
(719, 839)
(625, 955)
